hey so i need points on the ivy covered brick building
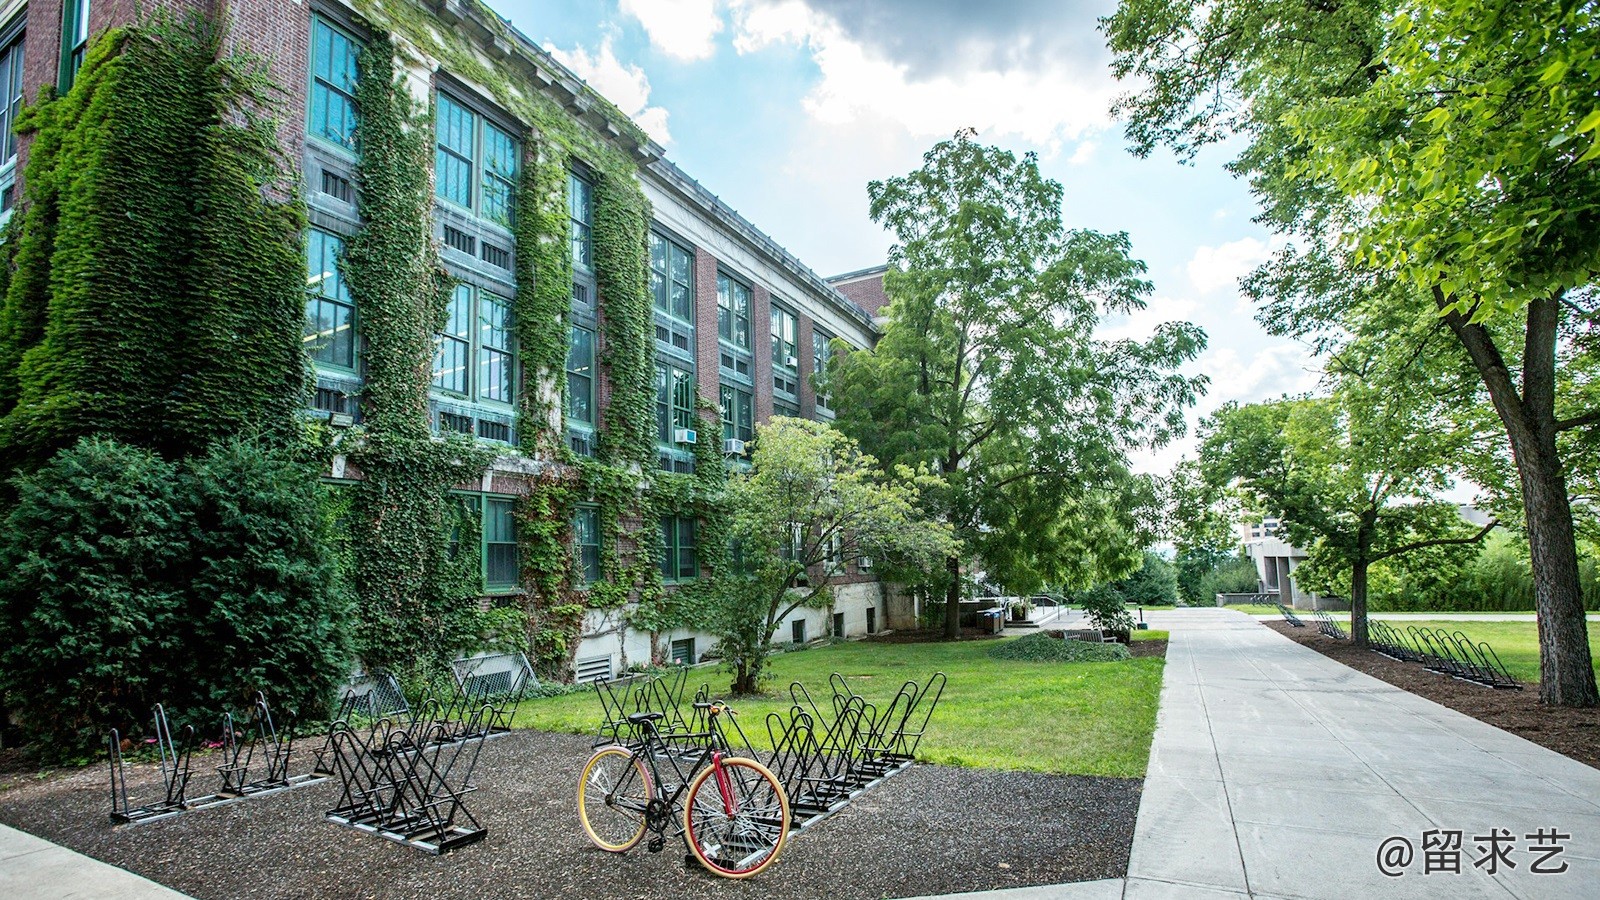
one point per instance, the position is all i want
(502, 271)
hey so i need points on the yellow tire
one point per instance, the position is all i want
(612, 795)
(736, 825)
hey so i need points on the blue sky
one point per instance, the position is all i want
(787, 108)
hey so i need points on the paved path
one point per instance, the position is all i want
(1277, 772)
(34, 869)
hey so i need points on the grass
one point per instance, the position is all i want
(1065, 718)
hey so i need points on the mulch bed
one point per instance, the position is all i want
(1137, 649)
(928, 830)
(1571, 732)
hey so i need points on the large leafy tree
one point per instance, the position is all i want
(1356, 478)
(989, 371)
(811, 505)
(1437, 155)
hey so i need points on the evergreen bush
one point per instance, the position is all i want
(127, 580)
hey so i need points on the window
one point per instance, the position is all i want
(683, 652)
(785, 408)
(678, 562)
(586, 540)
(674, 402)
(333, 85)
(872, 620)
(475, 162)
(472, 357)
(10, 107)
(736, 414)
(797, 631)
(580, 211)
(821, 356)
(838, 625)
(733, 312)
(74, 41)
(672, 279)
(580, 376)
(785, 352)
(330, 335)
(499, 545)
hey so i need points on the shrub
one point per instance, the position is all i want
(1105, 608)
(1044, 646)
(126, 580)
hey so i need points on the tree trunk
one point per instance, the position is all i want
(1358, 579)
(1358, 602)
(1566, 669)
(952, 600)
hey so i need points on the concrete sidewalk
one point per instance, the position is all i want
(1277, 772)
(34, 869)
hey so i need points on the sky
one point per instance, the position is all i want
(786, 109)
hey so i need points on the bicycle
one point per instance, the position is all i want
(735, 828)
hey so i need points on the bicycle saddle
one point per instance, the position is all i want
(642, 717)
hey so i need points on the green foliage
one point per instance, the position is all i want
(126, 580)
(811, 503)
(1231, 575)
(417, 605)
(989, 370)
(1047, 647)
(1153, 584)
(1106, 608)
(157, 296)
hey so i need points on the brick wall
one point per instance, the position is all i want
(706, 354)
(761, 346)
(808, 394)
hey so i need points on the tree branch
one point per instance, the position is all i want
(1436, 542)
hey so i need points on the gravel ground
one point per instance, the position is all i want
(928, 830)
(1571, 732)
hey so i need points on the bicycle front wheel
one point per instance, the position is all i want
(612, 796)
(736, 825)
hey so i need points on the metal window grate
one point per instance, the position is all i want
(494, 431)
(595, 668)
(457, 239)
(454, 422)
(581, 442)
(332, 401)
(496, 256)
(338, 186)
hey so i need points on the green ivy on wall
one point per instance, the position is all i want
(155, 293)
(417, 603)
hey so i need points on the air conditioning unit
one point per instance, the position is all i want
(790, 361)
(684, 436)
(733, 446)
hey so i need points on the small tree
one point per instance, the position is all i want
(811, 504)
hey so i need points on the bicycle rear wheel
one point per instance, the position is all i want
(612, 795)
(736, 827)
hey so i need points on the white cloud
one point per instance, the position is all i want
(1214, 268)
(1083, 153)
(1140, 324)
(624, 85)
(683, 29)
(1044, 106)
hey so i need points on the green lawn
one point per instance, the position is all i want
(1068, 718)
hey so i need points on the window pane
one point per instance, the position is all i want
(663, 405)
(333, 84)
(500, 543)
(454, 125)
(581, 212)
(453, 344)
(494, 340)
(330, 313)
(580, 375)
(499, 175)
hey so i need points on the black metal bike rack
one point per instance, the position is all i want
(1328, 627)
(407, 782)
(254, 762)
(1290, 617)
(175, 753)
